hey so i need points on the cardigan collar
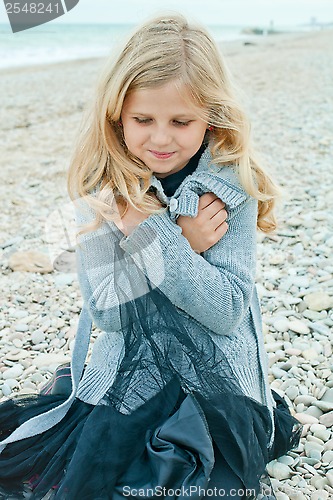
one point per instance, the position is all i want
(207, 177)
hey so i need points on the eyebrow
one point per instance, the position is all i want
(175, 116)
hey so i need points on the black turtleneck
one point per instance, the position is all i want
(171, 182)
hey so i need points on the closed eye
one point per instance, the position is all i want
(178, 123)
(181, 124)
(142, 120)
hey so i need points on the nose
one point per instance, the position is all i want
(161, 136)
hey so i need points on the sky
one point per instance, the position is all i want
(225, 12)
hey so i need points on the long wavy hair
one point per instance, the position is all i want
(163, 49)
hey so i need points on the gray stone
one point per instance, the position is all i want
(278, 470)
(281, 325)
(324, 405)
(328, 396)
(13, 372)
(6, 390)
(327, 456)
(327, 419)
(37, 337)
(21, 327)
(320, 431)
(292, 392)
(305, 418)
(318, 301)
(299, 327)
(306, 399)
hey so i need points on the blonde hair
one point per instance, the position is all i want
(163, 49)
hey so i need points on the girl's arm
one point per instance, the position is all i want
(101, 261)
(97, 267)
(214, 288)
(202, 231)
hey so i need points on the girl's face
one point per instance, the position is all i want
(161, 129)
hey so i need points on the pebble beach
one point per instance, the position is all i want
(285, 82)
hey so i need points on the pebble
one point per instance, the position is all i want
(319, 482)
(5, 389)
(314, 315)
(319, 495)
(281, 496)
(293, 352)
(292, 392)
(21, 327)
(305, 399)
(327, 456)
(31, 261)
(328, 445)
(327, 419)
(314, 411)
(324, 405)
(13, 372)
(277, 372)
(37, 378)
(329, 476)
(286, 459)
(37, 337)
(320, 328)
(12, 382)
(278, 470)
(65, 279)
(305, 418)
(310, 354)
(16, 313)
(320, 431)
(17, 342)
(45, 360)
(318, 301)
(281, 325)
(299, 327)
(328, 396)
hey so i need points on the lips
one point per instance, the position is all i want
(161, 155)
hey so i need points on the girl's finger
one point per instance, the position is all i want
(211, 209)
(219, 216)
(207, 199)
(221, 230)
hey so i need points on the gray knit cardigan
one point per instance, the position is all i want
(214, 290)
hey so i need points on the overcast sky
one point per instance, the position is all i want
(236, 12)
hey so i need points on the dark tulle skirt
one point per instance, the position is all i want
(97, 453)
(172, 417)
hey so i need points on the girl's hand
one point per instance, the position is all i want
(208, 227)
(131, 218)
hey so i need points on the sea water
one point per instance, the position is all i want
(54, 42)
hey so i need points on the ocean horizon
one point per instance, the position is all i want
(58, 42)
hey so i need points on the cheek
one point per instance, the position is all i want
(130, 136)
(135, 135)
(194, 137)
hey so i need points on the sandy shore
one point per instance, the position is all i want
(286, 83)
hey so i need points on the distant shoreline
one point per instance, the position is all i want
(61, 43)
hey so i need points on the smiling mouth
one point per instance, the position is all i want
(160, 154)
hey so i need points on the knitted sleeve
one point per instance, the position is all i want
(104, 268)
(216, 286)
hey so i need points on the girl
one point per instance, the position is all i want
(174, 401)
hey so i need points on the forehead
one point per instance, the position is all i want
(169, 98)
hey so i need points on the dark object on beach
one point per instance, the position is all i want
(259, 31)
(249, 43)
